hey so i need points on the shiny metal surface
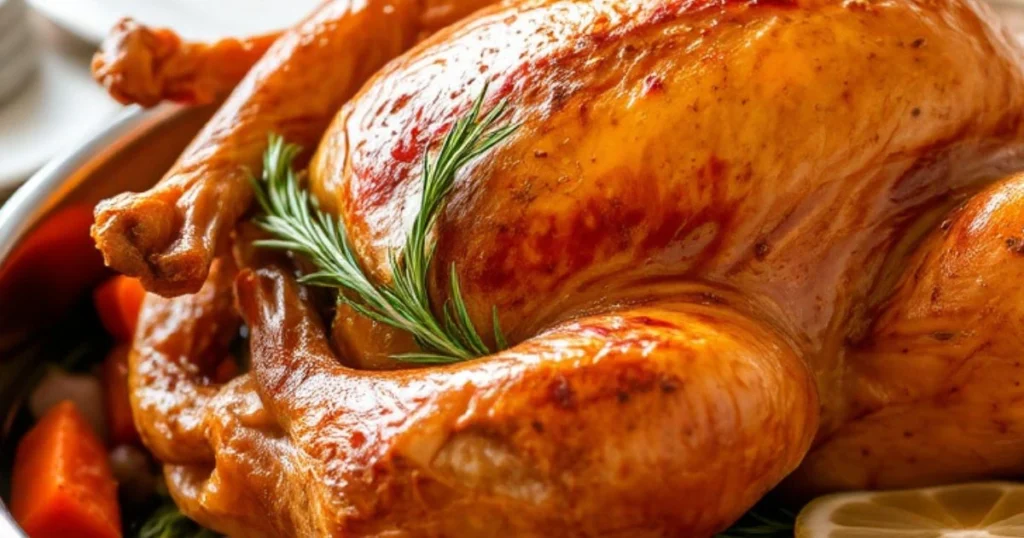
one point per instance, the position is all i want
(132, 153)
(43, 191)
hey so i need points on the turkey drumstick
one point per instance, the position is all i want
(621, 422)
(178, 343)
(140, 65)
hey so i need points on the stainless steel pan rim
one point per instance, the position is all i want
(49, 187)
(41, 193)
(7, 527)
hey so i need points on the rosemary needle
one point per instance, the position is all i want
(168, 522)
(762, 521)
(297, 225)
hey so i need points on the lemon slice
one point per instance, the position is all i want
(978, 510)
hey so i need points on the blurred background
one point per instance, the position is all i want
(48, 101)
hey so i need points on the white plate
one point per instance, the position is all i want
(58, 107)
(18, 51)
(196, 19)
(62, 105)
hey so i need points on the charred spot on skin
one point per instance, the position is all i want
(668, 386)
(943, 336)
(917, 43)
(562, 394)
(1016, 245)
(622, 397)
(537, 426)
(915, 112)
(761, 249)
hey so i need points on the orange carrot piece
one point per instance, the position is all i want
(62, 484)
(118, 302)
(51, 268)
(116, 401)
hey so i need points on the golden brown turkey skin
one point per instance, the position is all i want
(616, 424)
(147, 66)
(712, 231)
(168, 236)
(176, 349)
(778, 149)
(934, 387)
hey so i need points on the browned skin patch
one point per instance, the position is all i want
(168, 236)
(938, 378)
(717, 246)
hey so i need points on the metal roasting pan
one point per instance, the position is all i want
(47, 261)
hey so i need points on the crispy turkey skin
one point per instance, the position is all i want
(734, 244)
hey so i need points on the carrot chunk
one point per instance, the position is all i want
(51, 268)
(62, 484)
(116, 400)
(118, 302)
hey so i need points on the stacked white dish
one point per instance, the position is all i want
(52, 102)
(1012, 14)
(19, 52)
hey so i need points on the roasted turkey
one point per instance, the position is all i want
(733, 243)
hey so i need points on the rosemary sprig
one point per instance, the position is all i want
(298, 225)
(762, 522)
(168, 522)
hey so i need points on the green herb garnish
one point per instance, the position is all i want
(168, 522)
(762, 522)
(298, 225)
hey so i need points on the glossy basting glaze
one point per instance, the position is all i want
(169, 236)
(729, 241)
